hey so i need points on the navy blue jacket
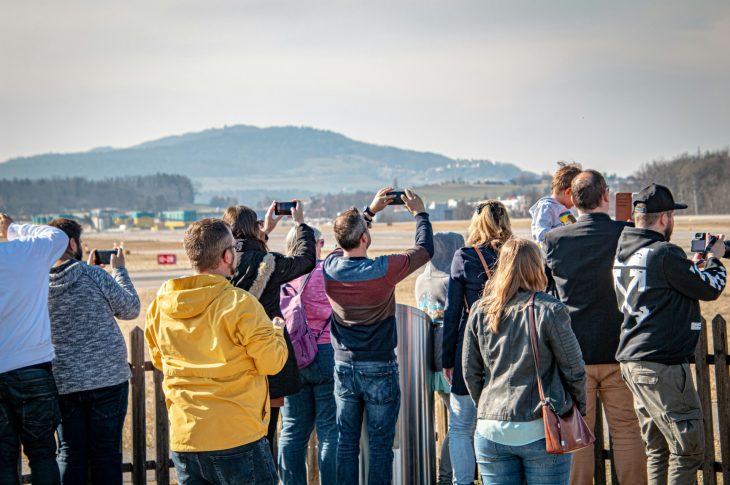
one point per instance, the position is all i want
(467, 280)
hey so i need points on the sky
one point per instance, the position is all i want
(609, 84)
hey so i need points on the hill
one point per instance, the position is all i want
(240, 159)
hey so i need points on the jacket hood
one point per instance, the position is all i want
(547, 200)
(445, 245)
(63, 276)
(634, 238)
(189, 296)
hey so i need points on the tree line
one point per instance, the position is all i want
(25, 197)
(702, 180)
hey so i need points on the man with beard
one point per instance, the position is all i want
(362, 293)
(215, 346)
(658, 290)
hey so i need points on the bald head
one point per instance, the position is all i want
(590, 192)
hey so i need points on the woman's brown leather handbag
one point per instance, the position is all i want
(566, 433)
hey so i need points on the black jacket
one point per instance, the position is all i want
(499, 369)
(262, 274)
(580, 258)
(658, 290)
(466, 283)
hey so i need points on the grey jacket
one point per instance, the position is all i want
(499, 369)
(82, 303)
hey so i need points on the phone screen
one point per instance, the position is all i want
(284, 208)
(104, 256)
(396, 194)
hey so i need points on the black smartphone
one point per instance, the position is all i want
(396, 194)
(104, 256)
(284, 208)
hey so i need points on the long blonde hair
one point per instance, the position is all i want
(520, 267)
(490, 225)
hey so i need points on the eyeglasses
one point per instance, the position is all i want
(234, 246)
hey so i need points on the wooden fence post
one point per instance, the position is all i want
(162, 433)
(719, 337)
(139, 432)
(702, 378)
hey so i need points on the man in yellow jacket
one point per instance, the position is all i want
(215, 346)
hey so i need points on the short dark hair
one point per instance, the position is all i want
(564, 175)
(349, 227)
(71, 228)
(644, 220)
(205, 242)
(587, 189)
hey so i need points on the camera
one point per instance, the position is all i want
(699, 244)
(104, 256)
(396, 194)
(284, 208)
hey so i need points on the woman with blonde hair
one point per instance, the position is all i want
(471, 267)
(501, 374)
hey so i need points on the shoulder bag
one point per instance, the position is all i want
(563, 434)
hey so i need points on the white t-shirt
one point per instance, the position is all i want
(25, 259)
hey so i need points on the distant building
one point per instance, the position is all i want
(178, 219)
(46, 218)
(440, 211)
(143, 219)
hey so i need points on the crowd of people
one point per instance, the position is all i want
(595, 308)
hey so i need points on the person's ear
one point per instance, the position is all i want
(73, 246)
(606, 196)
(569, 193)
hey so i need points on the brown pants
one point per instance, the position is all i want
(623, 425)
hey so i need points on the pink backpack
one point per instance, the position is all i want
(302, 338)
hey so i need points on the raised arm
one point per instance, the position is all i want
(687, 278)
(48, 243)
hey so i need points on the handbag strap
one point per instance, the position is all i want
(484, 262)
(533, 342)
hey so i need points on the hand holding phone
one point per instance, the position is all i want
(101, 257)
(284, 208)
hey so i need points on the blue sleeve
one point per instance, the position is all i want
(453, 310)
(542, 221)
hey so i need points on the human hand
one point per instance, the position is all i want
(5, 221)
(270, 221)
(413, 202)
(381, 201)
(449, 374)
(117, 260)
(92, 259)
(718, 249)
(297, 213)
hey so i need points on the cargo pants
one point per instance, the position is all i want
(670, 416)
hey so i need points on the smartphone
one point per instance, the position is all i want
(104, 256)
(397, 196)
(624, 206)
(284, 208)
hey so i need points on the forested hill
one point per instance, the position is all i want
(246, 157)
(152, 192)
(702, 181)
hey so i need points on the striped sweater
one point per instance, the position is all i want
(362, 294)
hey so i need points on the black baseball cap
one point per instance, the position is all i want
(655, 198)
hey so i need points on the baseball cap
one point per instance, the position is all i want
(656, 198)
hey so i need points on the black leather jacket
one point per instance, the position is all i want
(499, 369)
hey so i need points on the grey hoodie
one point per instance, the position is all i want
(82, 303)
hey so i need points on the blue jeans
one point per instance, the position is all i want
(29, 415)
(462, 424)
(371, 386)
(517, 465)
(251, 464)
(90, 435)
(315, 403)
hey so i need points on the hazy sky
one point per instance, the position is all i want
(610, 84)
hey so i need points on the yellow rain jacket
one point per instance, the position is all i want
(215, 346)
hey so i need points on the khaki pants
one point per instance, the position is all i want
(669, 412)
(628, 449)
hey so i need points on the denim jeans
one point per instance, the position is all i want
(371, 386)
(29, 415)
(517, 465)
(250, 464)
(462, 425)
(90, 435)
(314, 404)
